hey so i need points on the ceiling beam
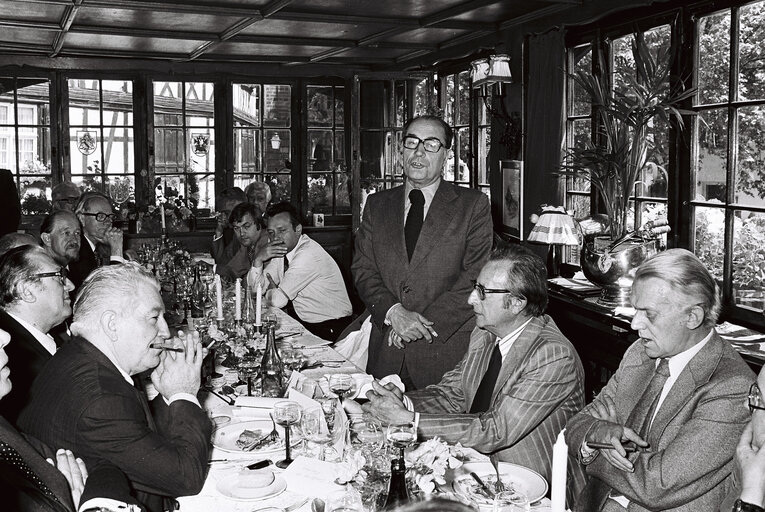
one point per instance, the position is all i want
(570, 2)
(66, 22)
(457, 10)
(175, 6)
(50, 26)
(143, 32)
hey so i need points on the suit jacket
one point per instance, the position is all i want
(10, 204)
(82, 402)
(453, 246)
(539, 387)
(231, 258)
(694, 433)
(26, 359)
(85, 264)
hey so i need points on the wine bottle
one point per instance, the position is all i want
(398, 493)
(271, 369)
(197, 297)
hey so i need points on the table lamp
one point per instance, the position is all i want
(556, 228)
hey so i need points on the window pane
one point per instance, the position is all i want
(246, 100)
(89, 182)
(276, 108)
(118, 151)
(709, 236)
(422, 98)
(242, 180)
(169, 150)
(580, 204)
(246, 150)
(373, 100)
(714, 53)
(447, 98)
(372, 155)
(320, 103)
(7, 99)
(200, 106)
(749, 260)
(85, 151)
(84, 98)
(339, 106)
(280, 187)
(34, 151)
(168, 104)
(276, 159)
(121, 189)
(751, 78)
(201, 150)
(35, 94)
(320, 193)
(750, 186)
(623, 62)
(342, 190)
(653, 177)
(34, 193)
(319, 149)
(712, 158)
(463, 98)
(463, 155)
(118, 102)
(582, 56)
(402, 116)
(484, 138)
(339, 153)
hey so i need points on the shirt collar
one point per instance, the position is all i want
(90, 243)
(291, 254)
(45, 339)
(679, 361)
(428, 191)
(507, 342)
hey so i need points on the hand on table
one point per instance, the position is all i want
(410, 325)
(74, 471)
(180, 372)
(751, 462)
(385, 406)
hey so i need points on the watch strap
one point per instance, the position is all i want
(742, 506)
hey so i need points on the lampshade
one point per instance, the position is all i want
(479, 70)
(499, 69)
(554, 226)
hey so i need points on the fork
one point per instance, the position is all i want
(273, 436)
(498, 485)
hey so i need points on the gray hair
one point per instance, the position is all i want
(258, 186)
(16, 267)
(83, 204)
(109, 287)
(686, 275)
(525, 276)
(10, 240)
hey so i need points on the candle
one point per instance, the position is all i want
(219, 296)
(238, 299)
(162, 215)
(258, 299)
(559, 461)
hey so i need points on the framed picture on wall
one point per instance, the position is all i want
(512, 197)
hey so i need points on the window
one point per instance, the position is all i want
(102, 136)
(184, 143)
(262, 137)
(25, 139)
(728, 154)
(456, 100)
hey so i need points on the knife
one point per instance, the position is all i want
(482, 485)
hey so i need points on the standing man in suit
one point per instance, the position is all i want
(101, 242)
(34, 298)
(418, 248)
(677, 396)
(60, 236)
(518, 383)
(85, 400)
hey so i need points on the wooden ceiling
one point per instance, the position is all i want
(361, 33)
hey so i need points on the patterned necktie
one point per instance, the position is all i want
(9, 456)
(482, 399)
(414, 220)
(642, 415)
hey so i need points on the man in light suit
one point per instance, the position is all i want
(417, 250)
(518, 383)
(84, 399)
(676, 399)
(101, 242)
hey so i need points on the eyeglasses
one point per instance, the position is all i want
(61, 274)
(755, 398)
(431, 145)
(102, 217)
(482, 290)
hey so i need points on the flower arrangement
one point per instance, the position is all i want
(427, 464)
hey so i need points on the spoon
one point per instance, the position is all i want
(317, 505)
(228, 390)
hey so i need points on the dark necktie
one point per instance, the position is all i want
(286, 263)
(641, 416)
(482, 399)
(414, 220)
(9, 456)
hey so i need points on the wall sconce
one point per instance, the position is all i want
(276, 141)
(489, 77)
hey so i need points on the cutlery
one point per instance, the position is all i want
(260, 464)
(498, 485)
(229, 401)
(228, 390)
(482, 486)
(292, 507)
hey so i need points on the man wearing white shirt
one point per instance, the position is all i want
(85, 400)
(34, 298)
(518, 383)
(297, 273)
(675, 401)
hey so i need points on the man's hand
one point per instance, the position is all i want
(395, 340)
(113, 237)
(74, 471)
(385, 406)
(180, 372)
(270, 250)
(410, 325)
(603, 409)
(222, 219)
(612, 433)
(751, 461)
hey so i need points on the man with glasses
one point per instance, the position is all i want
(101, 242)
(34, 298)
(230, 257)
(418, 248)
(518, 383)
(661, 434)
(65, 196)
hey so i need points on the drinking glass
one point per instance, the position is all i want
(342, 385)
(314, 430)
(286, 414)
(511, 501)
(348, 500)
(328, 406)
(401, 436)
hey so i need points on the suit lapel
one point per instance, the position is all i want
(393, 226)
(21, 334)
(440, 215)
(515, 360)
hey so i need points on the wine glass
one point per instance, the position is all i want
(511, 501)
(286, 414)
(249, 365)
(342, 385)
(328, 407)
(401, 436)
(347, 500)
(314, 430)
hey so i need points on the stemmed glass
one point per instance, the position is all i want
(286, 414)
(313, 430)
(342, 385)
(401, 436)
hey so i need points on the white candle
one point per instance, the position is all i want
(559, 461)
(219, 296)
(238, 299)
(162, 215)
(258, 299)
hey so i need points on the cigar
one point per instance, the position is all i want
(166, 347)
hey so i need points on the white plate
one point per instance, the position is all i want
(226, 436)
(524, 480)
(229, 487)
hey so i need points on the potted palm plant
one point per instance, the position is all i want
(612, 163)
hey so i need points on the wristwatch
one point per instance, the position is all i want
(742, 506)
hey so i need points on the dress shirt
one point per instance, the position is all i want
(117, 259)
(45, 339)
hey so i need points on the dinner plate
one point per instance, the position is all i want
(226, 436)
(229, 487)
(522, 479)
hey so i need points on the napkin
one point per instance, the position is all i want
(313, 477)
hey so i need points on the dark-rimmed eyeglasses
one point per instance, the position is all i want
(482, 290)
(431, 145)
(61, 273)
(102, 217)
(755, 398)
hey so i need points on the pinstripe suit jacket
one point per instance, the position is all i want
(540, 386)
(693, 435)
(453, 246)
